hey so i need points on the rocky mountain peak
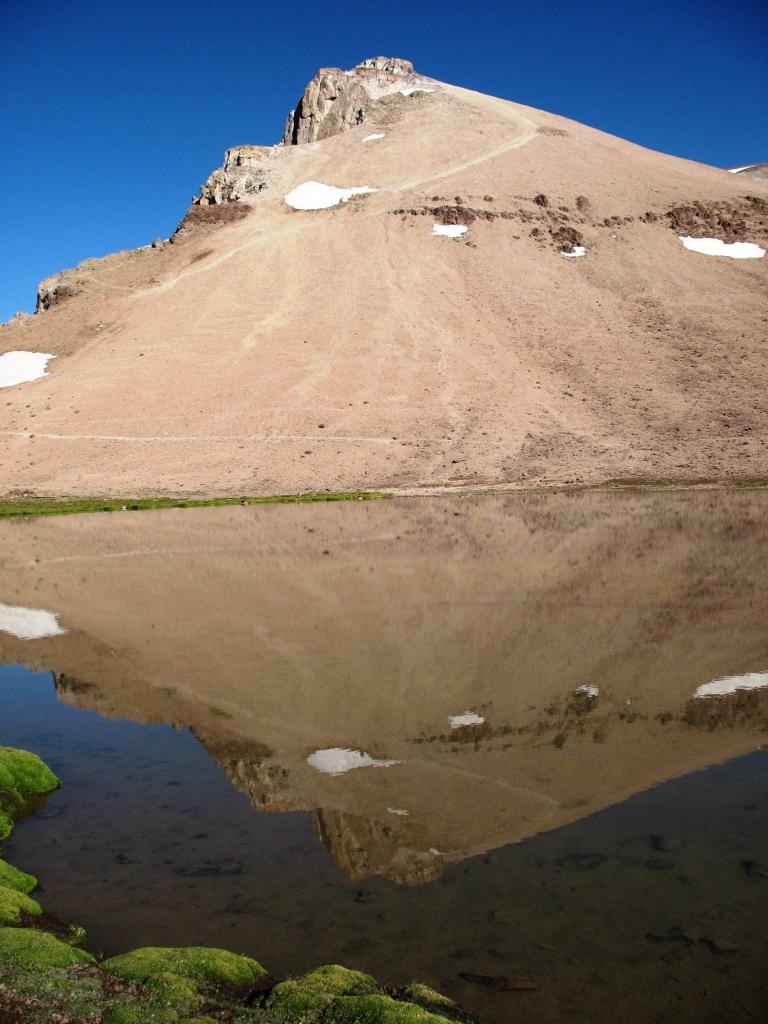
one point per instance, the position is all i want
(336, 100)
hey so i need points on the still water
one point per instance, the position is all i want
(502, 737)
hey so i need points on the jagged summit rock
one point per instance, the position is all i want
(336, 100)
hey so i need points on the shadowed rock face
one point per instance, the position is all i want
(336, 100)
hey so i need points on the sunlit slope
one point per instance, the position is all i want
(350, 347)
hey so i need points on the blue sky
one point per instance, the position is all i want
(112, 114)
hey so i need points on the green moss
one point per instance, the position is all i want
(71, 506)
(34, 950)
(14, 903)
(197, 963)
(24, 780)
(378, 1009)
(177, 976)
(52, 995)
(428, 997)
(6, 825)
(125, 1013)
(12, 878)
(307, 997)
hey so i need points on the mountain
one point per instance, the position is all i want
(488, 294)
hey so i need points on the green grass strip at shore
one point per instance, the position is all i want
(14, 507)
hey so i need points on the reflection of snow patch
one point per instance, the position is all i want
(337, 760)
(28, 623)
(313, 195)
(468, 718)
(411, 89)
(730, 684)
(449, 230)
(577, 250)
(716, 247)
(20, 367)
(588, 689)
(398, 810)
(374, 137)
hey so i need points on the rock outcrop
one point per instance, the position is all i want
(242, 174)
(337, 100)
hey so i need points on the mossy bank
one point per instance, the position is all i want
(47, 978)
(33, 506)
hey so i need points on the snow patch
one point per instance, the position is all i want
(28, 623)
(338, 760)
(588, 689)
(716, 247)
(374, 137)
(730, 684)
(411, 89)
(449, 230)
(20, 367)
(314, 195)
(398, 810)
(468, 718)
(577, 250)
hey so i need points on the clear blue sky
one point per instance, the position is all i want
(112, 114)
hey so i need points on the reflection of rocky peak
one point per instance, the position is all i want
(742, 709)
(363, 847)
(244, 762)
(336, 100)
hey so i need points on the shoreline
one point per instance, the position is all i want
(32, 505)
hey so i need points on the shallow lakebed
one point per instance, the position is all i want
(499, 737)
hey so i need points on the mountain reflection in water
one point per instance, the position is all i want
(570, 632)
(468, 702)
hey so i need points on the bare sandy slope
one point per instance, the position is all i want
(349, 348)
(275, 632)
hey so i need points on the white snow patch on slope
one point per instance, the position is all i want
(20, 367)
(716, 247)
(374, 137)
(730, 684)
(577, 250)
(398, 810)
(338, 760)
(468, 718)
(588, 689)
(28, 623)
(746, 167)
(414, 88)
(449, 230)
(314, 195)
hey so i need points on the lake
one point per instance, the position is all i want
(456, 739)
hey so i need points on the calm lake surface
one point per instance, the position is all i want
(511, 737)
